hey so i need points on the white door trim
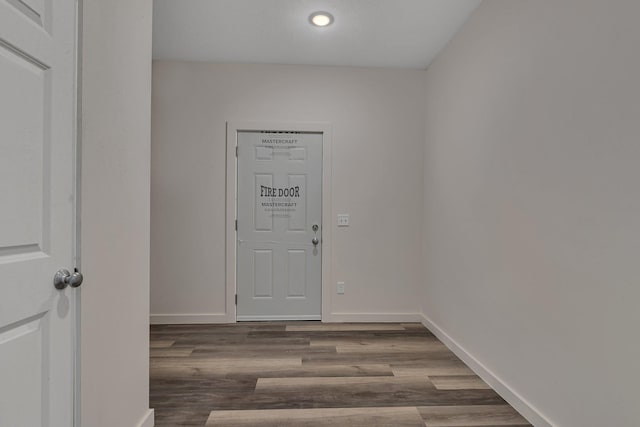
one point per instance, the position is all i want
(233, 127)
(77, 161)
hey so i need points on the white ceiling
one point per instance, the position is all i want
(369, 33)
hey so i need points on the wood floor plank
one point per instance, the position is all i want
(415, 358)
(204, 371)
(336, 370)
(228, 339)
(345, 327)
(477, 415)
(433, 367)
(186, 415)
(160, 343)
(196, 392)
(384, 340)
(250, 346)
(458, 382)
(344, 397)
(297, 351)
(338, 334)
(208, 385)
(381, 345)
(305, 384)
(222, 327)
(390, 348)
(325, 417)
(170, 352)
(194, 366)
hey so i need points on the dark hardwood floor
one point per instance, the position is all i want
(313, 374)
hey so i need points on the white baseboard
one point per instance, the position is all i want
(182, 319)
(240, 318)
(527, 410)
(373, 318)
(147, 420)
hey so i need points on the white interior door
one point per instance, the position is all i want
(37, 126)
(279, 270)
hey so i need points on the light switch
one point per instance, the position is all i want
(343, 220)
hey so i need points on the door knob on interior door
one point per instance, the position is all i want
(315, 241)
(63, 278)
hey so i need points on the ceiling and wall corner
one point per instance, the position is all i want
(366, 33)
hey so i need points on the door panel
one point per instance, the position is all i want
(297, 278)
(297, 220)
(25, 342)
(23, 146)
(262, 222)
(37, 123)
(263, 273)
(279, 200)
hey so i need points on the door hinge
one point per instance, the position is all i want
(236, 225)
(236, 151)
(236, 299)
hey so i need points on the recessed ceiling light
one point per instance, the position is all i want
(321, 19)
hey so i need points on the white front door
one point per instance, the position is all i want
(279, 271)
(37, 126)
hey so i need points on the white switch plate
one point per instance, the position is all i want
(340, 288)
(343, 220)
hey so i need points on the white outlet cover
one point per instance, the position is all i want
(343, 220)
(340, 288)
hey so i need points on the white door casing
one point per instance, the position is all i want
(279, 237)
(37, 168)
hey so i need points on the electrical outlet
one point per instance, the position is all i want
(343, 220)
(340, 288)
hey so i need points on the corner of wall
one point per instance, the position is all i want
(526, 409)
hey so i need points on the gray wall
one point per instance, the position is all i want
(377, 122)
(116, 95)
(532, 203)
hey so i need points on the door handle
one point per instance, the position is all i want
(63, 278)
(315, 240)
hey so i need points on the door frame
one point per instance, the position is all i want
(77, 210)
(233, 127)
